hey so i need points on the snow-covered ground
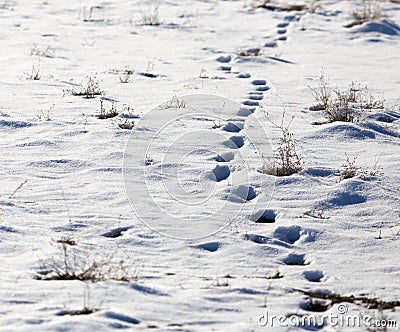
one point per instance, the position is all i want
(172, 205)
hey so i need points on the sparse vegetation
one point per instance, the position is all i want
(87, 309)
(127, 74)
(272, 5)
(44, 115)
(93, 14)
(91, 90)
(175, 102)
(126, 124)
(46, 52)
(317, 212)
(344, 105)
(369, 302)
(203, 73)
(83, 311)
(113, 112)
(76, 265)
(350, 170)
(152, 16)
(322, 94)
(148, 160)
(35, 72)
(149, 70)
(250, 52)
(107, 114)
(370, 11)
(287, 160)
(66, 239)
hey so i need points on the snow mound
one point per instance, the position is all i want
(385, 27)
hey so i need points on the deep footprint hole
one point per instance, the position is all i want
(243, 193)
(209, 246)
(233, 127)
(221, 172)
(316, 305)
(225, 157)
(267, 216)
(289, 234)
(296, 259)
(235, 142)
(313, 275)
(259, 82)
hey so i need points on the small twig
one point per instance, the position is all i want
(19, 187)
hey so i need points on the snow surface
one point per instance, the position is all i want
(67, 177)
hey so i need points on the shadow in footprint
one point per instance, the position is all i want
(259, 239)
(316, 305)
(289, 234)
(271, 44)
(246, 111)
(296, 259)
(209, 246)
(282, 25)
(266, 217)
(259, 82)
(120, 317)
(233, 127)
(225, 68)
(242, 193)
(221, 173)
(117, 232)
(251, 103)
(263, 88)
(235, 142)
(225, 157)
(224, 58)
(313, 275)
(255, 97)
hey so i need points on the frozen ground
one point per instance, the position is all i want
(62, 177)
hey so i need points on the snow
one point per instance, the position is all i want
(210, 242)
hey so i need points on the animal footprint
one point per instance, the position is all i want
(221, 173)
(267, 217)
(314, 275)
(225, 157)
(316, 305)
(251, 103)
(263, 88)
(259, 82)
(255, 97)
(289, 234)
(235, 142)
(296, 259)
(233, 127)
(224, 58)
(209, 246)
(246, 111)
(271, 44)
(242, 193)
(282, 25)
